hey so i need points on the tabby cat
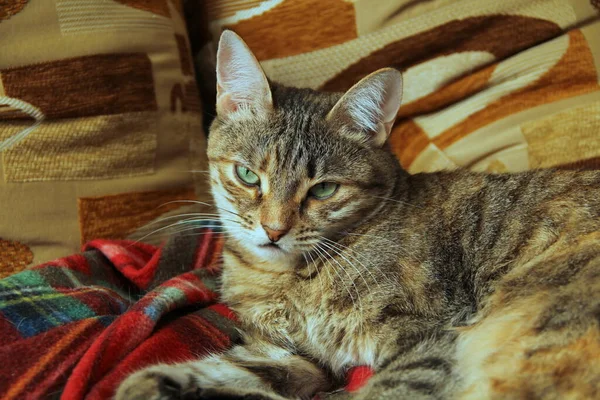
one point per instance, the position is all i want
(450, 284)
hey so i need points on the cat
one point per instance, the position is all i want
(451, 284)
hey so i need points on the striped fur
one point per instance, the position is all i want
(450, 285)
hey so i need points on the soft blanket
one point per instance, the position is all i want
(74, 328)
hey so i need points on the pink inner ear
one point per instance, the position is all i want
(225, 104)
(241, 82)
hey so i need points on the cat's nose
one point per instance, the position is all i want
(275, 234)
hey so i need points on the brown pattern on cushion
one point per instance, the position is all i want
(574, 74)
(561, 138)
(226, 8)
(8, 8)
(187, 96)
(159, 7)
(295, 27)
(595, 3)
(7, 112)
(407, 141)
(184, 55)
(118, 215)
(102, 72)
(192, 97)
(589, 164)
(14, 257)
(500, 35)
(83, 86)
(106, 146)
(449, 94)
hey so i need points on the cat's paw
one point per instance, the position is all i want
(158, 383)
(172, 383)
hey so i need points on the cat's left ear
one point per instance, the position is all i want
(368, 109)
(241, 82)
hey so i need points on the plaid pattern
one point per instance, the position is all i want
(74, 328)
(77, 326)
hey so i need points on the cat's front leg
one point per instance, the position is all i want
(258, 371)
(190, 381)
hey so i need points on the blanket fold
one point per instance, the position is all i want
(74, 328)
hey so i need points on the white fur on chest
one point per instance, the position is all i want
(340, 341)
(296, 315)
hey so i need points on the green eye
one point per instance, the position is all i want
(323, 190)
(246, 176)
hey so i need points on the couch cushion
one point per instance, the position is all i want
(101, 120)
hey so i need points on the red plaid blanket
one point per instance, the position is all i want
(75, 327)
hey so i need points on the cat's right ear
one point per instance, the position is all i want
(367, 111)
(241, 82)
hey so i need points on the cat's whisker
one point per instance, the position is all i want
(325, 257)
(361, 308)
(217, 221)
(328, 257)
(350, 251)
(393, 243)
(157, 231)
(338, 252)
(323, 267)
(371, 265)
(201, 203)
(235, 224)
(316, 267)
(154, 232)
(195, 228)
(199, 234)
(186, 215)
(397, 201)
(190, 226)
(306, 262)
(202, 233)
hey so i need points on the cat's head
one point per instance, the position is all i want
(290, 167)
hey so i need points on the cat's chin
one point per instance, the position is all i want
(272, 252)
(271, 249)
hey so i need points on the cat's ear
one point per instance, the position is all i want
(241, 82)
(368, 109)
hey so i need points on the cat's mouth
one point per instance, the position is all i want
(272, 247)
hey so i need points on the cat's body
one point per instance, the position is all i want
(452, 284)
(507, 258)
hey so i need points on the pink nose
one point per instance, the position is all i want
(275, 234)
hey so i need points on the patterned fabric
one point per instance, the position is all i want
(488, 85)
(98, 113)
(74, 328)
(78, 325)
